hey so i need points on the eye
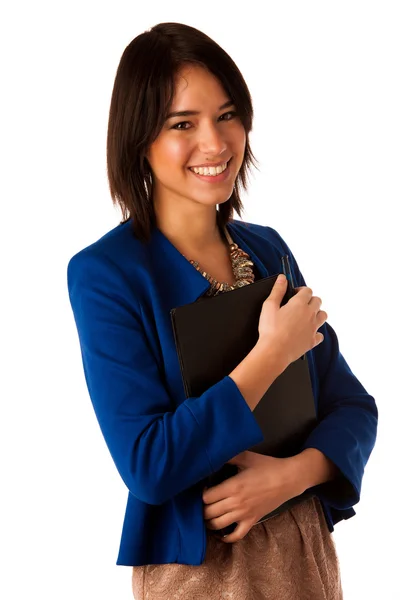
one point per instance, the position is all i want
(178, 128)
(231, 112)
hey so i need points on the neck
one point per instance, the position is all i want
(192, 234)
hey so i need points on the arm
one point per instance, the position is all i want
(347, 414)
(159, 449)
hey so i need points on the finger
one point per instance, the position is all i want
(322, 316)
(212, 511)
(217, 492)
(304, 293)
(242, 528)
(302, 287)
(315, 302)
(278, 290)
(222, 521)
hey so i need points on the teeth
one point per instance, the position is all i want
(209, 170)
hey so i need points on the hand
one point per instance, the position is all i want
(262, 484)
(291, 329)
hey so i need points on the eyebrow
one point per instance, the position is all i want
(188, 113)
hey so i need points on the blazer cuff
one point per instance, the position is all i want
(236, 429)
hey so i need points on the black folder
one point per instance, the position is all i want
(212, 336)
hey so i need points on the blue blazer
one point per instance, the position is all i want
(165, 445)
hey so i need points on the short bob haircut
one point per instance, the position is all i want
(141, 99)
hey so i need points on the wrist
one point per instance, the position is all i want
(295, 476)
(312, 468)
(273, 354)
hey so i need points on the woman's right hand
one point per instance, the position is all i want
(291, 330)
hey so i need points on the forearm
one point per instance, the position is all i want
(257, 371)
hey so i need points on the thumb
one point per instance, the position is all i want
(279, 288)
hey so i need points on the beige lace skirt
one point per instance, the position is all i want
(289, 557)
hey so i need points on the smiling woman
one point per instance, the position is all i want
(178, 153)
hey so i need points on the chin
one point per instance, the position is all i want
(211, 198)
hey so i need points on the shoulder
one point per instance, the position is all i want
(106, 270)
(110, 266)
(115, 248)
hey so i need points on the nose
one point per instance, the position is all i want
(211, 140)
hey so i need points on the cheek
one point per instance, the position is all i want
(169, 156)
(238, 137)
(178, 152)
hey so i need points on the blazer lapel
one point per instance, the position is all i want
(180, 282)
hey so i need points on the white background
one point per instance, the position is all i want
(325, 83)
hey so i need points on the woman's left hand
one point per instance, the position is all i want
(262, 484)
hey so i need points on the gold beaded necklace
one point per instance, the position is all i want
(241, 266)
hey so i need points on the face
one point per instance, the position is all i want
(214, 134)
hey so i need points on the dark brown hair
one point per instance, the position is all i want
(141, 99)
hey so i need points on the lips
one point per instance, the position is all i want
(211, 165)
(213, 179)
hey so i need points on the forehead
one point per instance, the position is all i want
(195, 84)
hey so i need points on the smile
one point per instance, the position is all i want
(212, 174)
(209, 170)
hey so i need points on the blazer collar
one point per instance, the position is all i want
(181, 281)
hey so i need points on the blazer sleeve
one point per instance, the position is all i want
(159, 448)
(347, 414)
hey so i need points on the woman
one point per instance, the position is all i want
(178, 148)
